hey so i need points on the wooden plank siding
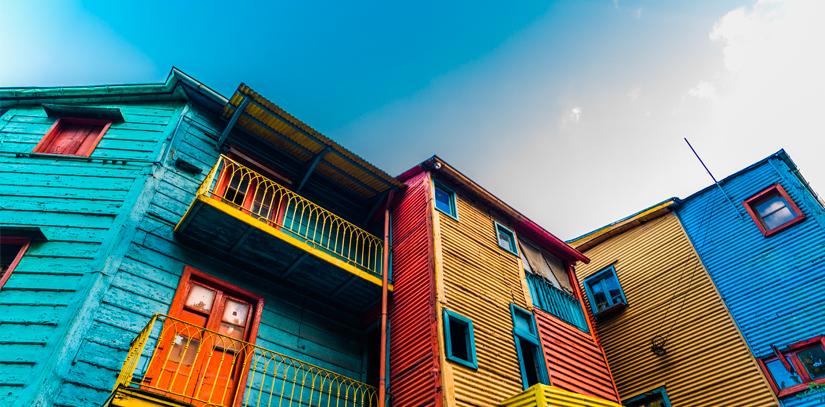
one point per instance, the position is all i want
(292, 323)
(707, 361)
(478, 280)
(77, 204)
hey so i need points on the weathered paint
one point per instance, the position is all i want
(574, 360)
(414, 362)
(74, 303)
(480, 281)
(772, 285)
(540, 395)
(707, 359)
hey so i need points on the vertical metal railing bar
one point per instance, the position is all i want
(256, 195)
(202, 385)
(557, 302)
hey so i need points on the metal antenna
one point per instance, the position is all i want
(714, 180)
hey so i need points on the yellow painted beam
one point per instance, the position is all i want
(541, 395)
(129, 397)
(237, 214)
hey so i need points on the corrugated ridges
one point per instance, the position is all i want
(574, 361)
(480, 281)
(773, 286)
(708, 363)
(412, 358)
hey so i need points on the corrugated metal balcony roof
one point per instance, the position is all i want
(273, 124)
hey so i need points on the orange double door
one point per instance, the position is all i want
(201, 355)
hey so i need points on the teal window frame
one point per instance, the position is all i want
(600, 277)
(453, 207)
(470, 339)
(659, 392)
(509, 232)
(532, 336)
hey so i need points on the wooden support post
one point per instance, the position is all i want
(294, 265)
(375, 207)
(311, 168)
(343, 287)
(241, 240)
(231, 124)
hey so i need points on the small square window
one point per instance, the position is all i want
(773, 210)
(72, 136)
(655, 398)
(459, 339)
(797, 367)
(506, 239)
(445, 200)
(604, 291)
(11, 251)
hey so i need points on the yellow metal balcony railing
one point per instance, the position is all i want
(258, 196)
(191, 364)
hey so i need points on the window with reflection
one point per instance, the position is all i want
(773, 210)
(445, 200)
(794, 368)
(604, 291)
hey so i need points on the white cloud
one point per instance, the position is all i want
(634, 93)
(573, 115)
(616, 4)
(702, 90)
(639, 12)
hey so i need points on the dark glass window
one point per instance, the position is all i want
(604, 290)
(459, 339)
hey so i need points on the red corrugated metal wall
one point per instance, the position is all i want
(414, 368)
(574, 360)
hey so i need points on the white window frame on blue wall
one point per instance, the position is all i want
(599, 278)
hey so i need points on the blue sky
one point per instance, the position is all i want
(573, 112)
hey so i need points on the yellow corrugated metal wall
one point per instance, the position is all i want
(478, 280)
(707, 361)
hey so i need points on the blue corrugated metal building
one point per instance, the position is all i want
(761, 236)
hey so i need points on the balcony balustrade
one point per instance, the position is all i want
(557, 302)
(175, 363)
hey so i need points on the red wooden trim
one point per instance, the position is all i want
(82, 151)
(767, 373)
(781, 358)
(754, 200)
(805, 343)
(15, 240)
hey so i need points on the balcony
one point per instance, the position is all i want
(249, 218)
(557, 302)
(174, 363)
(541, 395)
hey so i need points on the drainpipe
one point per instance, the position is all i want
(382, 388)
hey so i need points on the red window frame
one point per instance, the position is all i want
(776, 189)
(789, 356)
(86, 148)
(14, 240)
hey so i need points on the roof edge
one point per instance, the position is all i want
(593, 238)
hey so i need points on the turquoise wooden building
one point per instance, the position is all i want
(150, 233)
(761, 235)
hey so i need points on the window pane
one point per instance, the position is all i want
(654, 401)
(185, 344)
(782, 377)
(235, 312)
(770, 206)
(814, 361)
(200, 298)
(523, 322)
(598, 296)
(505, 240)
(778, 218)
(231, 331)
(459, 340)
(443, 201)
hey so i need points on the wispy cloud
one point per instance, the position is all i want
(702, 90)
(573, 115)
(634, 93)
(639, 12)
(616, 4)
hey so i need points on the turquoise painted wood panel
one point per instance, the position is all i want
(77, 203)
(773, 285)
(148, 276)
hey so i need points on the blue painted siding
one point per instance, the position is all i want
(81, 205)
(148, 275)
(773, 286)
